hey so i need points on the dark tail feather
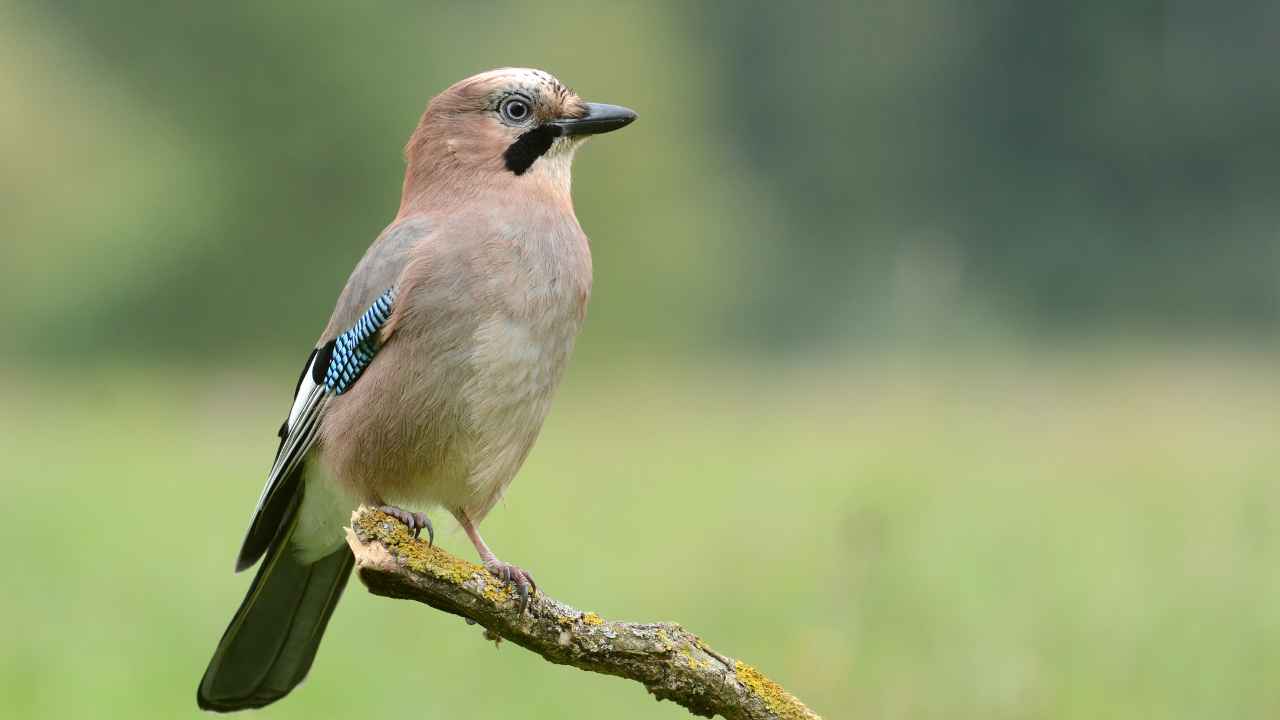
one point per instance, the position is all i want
(270, 643)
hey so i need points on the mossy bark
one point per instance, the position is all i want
(672, 663)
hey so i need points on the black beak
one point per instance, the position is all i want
(600, 118)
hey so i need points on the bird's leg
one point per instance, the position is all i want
(503, 570)
(415, 521)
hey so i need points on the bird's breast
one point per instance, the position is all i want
(520, 349)
(523, 338)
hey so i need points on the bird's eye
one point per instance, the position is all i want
(515, 110)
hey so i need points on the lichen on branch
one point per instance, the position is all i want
(671, 662)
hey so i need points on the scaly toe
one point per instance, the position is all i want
(517, 576)
(424, 523)
(415, 521)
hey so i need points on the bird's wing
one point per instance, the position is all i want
(348, 345)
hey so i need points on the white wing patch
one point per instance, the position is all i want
(300, 435)
(300, 400)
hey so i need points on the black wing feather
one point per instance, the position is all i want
(274, 508)
(334, 368)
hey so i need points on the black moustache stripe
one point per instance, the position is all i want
(529, 147)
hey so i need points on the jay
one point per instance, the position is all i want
(435, 371)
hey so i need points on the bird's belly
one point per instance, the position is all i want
(515, 366)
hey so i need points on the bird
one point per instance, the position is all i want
(432, 378)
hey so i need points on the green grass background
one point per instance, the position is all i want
(986, 537)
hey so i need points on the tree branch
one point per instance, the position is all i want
(672, 663)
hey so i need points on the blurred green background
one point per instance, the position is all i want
(931, 363)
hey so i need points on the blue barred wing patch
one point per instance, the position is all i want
(354, 349)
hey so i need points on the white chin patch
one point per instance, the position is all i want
(557, 161)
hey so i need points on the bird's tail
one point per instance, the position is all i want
(270, 643)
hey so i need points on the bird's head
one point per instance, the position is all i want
(505, 125)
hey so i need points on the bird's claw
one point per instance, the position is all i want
(521, 578)
(415, 521)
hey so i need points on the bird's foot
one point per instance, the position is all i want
(509, 573)
(415, 521)
(505, 572)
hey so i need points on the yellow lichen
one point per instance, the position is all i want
(666, 641)
(496, 593)
(592, 619)
(422, 558)
(693, 662)
(779, 701)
